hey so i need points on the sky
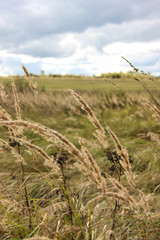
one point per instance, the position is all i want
(86, 37)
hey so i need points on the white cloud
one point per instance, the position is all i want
(89, 60)
(92, 61)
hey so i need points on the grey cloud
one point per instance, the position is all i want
(46, 47)
(58, 45)
(23, 21)
(126, 32)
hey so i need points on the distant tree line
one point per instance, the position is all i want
(110, 75)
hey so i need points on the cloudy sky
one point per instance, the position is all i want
(79, 36)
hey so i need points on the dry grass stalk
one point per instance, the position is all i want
(134, 68)
(125, 158)
(144, 203)
(15, 134)
(140, 80)
(139, 71)
(95, 168)
(48, 161)
(3, 93)
(122, 190)
(153, 108)
(4, 115)
(16, 100)
(155, 137)
(88, 173)
(121, 151)
(14, 152)
(117, 196)
(126, 165)
(100, 130)
(32, 85)
(14, 131)
(46, 132)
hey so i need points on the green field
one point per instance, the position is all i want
(34, 200)
(90, 83)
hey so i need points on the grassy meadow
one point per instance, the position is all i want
(80, 164)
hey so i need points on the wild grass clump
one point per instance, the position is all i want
(67, 195)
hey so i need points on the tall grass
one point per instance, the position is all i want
(68, 195)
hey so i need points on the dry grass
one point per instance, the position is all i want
(76, 198)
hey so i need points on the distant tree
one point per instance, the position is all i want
(42, 73)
